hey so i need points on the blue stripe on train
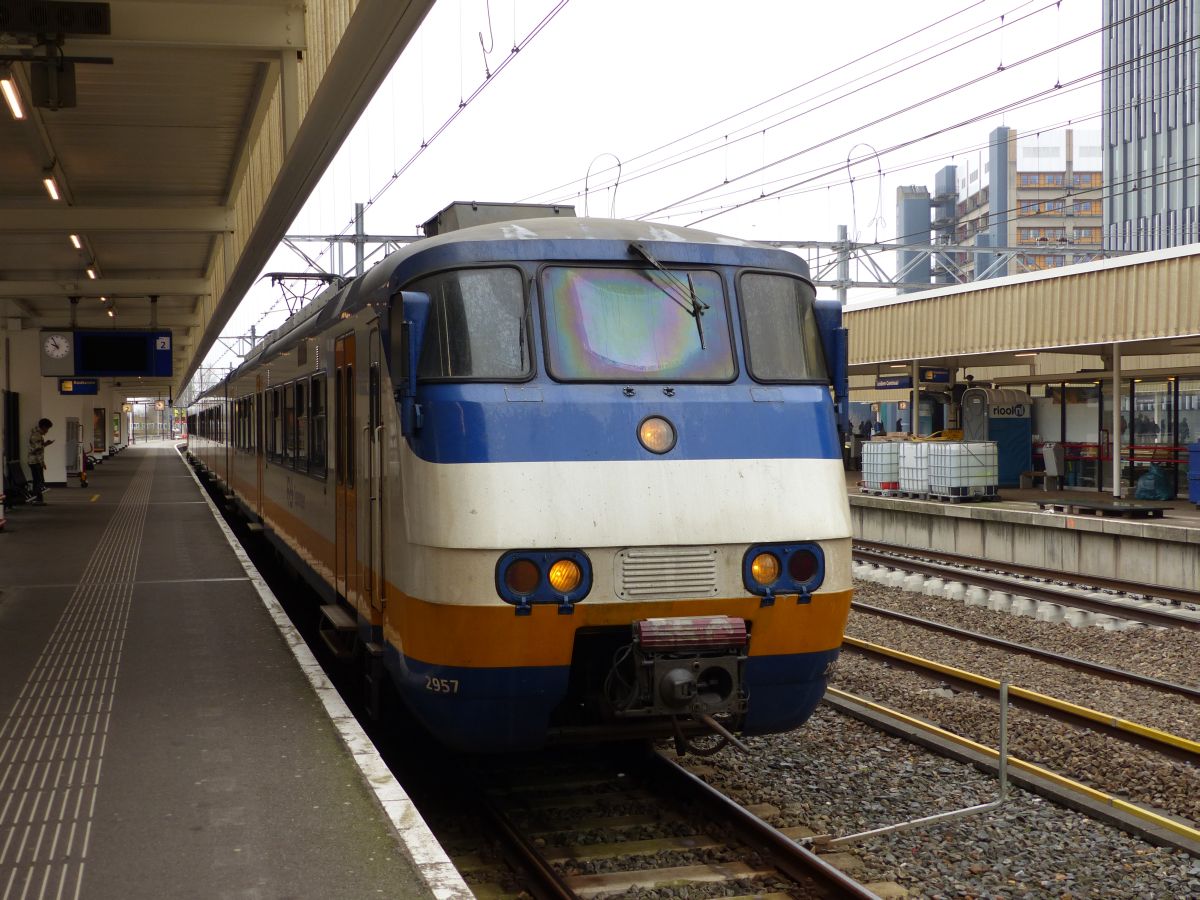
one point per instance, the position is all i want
(491, 710)
(538, 422)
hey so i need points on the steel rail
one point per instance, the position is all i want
(794, 860)
(1026, 589)
(1065, 791)
(1062, 790)
(1092, 718)
(1073, 662)
(1098, 582)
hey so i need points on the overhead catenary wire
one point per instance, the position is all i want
(754, 127)
(940, 95)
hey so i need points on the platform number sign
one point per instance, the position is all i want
(162, 342)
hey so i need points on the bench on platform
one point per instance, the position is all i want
(1049, 482)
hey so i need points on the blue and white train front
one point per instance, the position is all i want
(623, 502)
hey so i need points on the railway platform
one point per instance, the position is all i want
(1064, 535)
(163, 732)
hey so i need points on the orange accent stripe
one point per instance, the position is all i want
(487, 636)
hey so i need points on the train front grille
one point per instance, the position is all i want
(648, 573)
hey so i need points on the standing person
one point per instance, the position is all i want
(37, 458)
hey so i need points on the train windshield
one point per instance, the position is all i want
(783, 342)
(477, 326)
(607, 324)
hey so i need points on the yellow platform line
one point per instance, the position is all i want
(1061, 780)
(1153, 734)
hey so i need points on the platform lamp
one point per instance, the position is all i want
(12, 94)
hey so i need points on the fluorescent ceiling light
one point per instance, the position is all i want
(91, 273)
(75, 242)
(897, 367)
(13, 97)
(1024, 354)
(51, 186)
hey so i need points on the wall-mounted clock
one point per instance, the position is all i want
(56, 346)
(58, 353)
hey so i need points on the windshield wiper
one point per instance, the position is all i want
(684, 294)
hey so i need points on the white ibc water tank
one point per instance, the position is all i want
(963, 469)
(914, 467)
(881, 465)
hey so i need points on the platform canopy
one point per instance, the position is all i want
(1052, 326)
(182, 138)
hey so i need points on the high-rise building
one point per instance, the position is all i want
(1151, 134)
(1035, 198)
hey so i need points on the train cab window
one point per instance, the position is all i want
(478, 328)
(316, 421)
(608, 324)
(783, 342)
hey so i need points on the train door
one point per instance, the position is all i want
(373, 472)
(260, 460)
(346, 499)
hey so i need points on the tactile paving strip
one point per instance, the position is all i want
(52, 741)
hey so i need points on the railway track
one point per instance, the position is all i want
(1043, 584)
(1071, 713)
(587, 827)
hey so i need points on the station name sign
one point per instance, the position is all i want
(928, 376)
(78, 385)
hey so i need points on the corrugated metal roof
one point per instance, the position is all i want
(1143, 297)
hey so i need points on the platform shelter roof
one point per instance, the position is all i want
(1149, 303)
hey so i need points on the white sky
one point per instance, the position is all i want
(625, 77)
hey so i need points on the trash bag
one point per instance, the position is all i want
(1153, 485)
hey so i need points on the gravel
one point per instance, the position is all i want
(1172, 655)
(839, 776)
(1138, 703)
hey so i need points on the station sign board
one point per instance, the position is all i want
(78, 385)
(935, 376)
(893, 381)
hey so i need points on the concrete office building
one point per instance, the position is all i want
(1039, 193)
(1151, 135)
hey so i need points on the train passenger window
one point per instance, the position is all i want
(302, 424)
(316, 453)
(607, 324)
(783, 342)
(289, 425)
(478, 327)
(276, 447)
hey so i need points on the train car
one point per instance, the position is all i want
(559, 479)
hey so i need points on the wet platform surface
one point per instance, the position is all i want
(158, 737)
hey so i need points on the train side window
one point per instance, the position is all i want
(316, 451)
(373, 402)
(289, 425)
(302, 424)
(277, 423)
(339, 426)
(348, 420)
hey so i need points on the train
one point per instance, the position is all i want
(558, 479)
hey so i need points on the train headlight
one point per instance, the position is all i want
(522, 577)
(765, 568)
(656, 434)
(565, 576)
(526, 578)
(772, 569)
(803, 565)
